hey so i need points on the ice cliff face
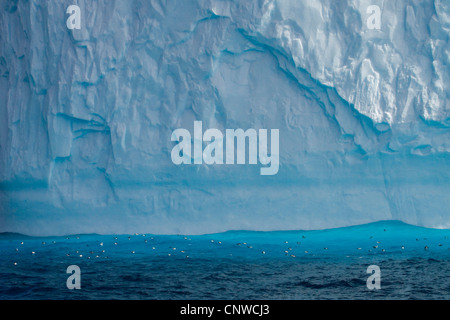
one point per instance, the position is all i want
(86, 116)
(392, 75)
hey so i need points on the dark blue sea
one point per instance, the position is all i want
(414, 263)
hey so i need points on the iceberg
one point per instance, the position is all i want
(87, 115)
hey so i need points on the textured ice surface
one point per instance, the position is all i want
(86, 115)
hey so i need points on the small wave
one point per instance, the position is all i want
(333, 284)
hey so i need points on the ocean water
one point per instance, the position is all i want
(328, 264)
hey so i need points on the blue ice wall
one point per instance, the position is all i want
(86, 116)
